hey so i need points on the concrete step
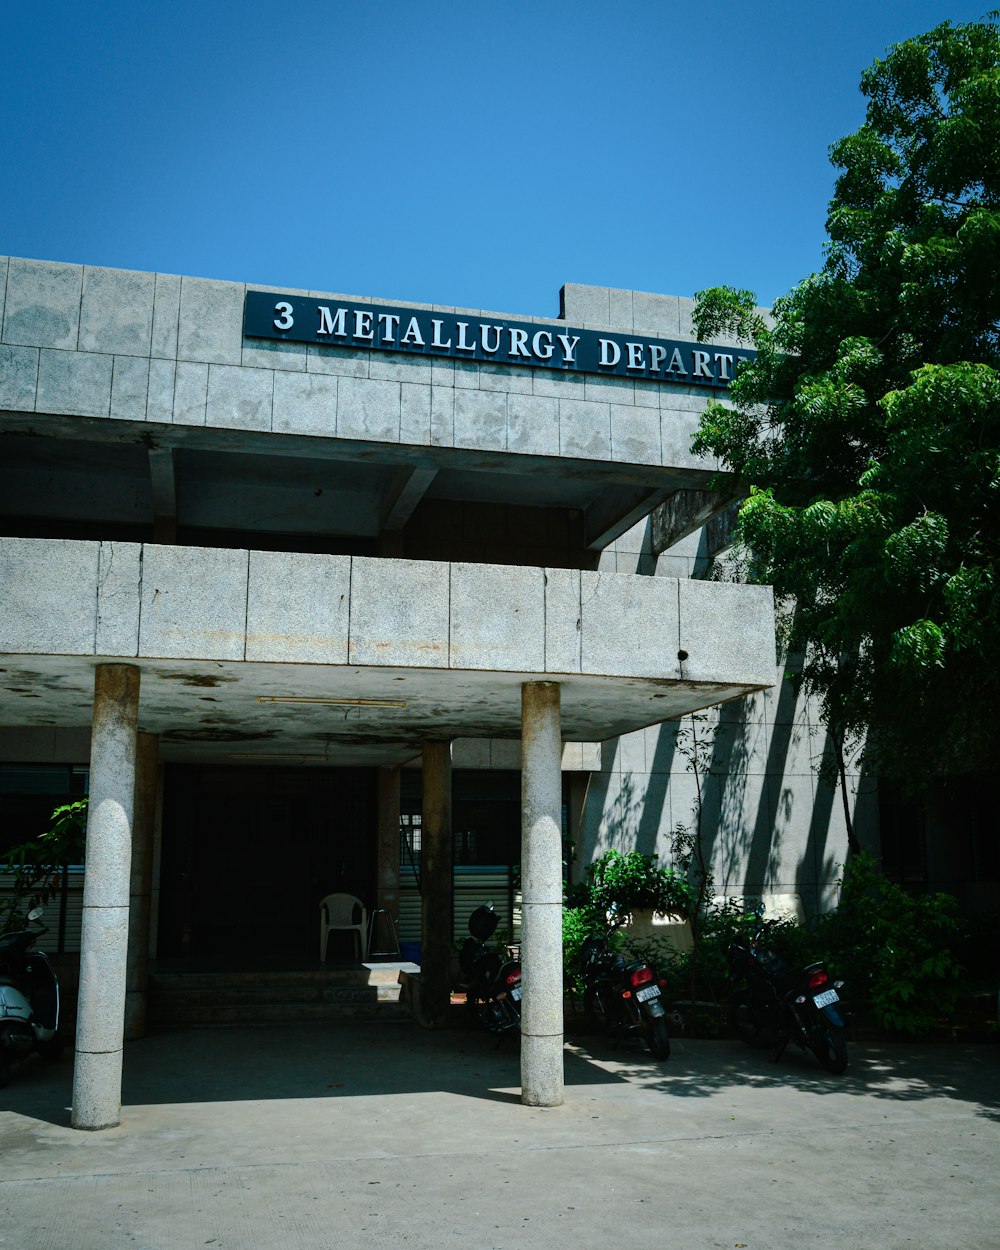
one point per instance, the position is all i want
(206, 1015)
(252, 978)
(179, 998)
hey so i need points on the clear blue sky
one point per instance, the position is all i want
(469, 154)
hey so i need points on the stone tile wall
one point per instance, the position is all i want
(121, 345)
(70, 597)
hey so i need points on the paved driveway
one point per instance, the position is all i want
(385, 1135)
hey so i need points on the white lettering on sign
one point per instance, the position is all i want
(636, 357)
(332, 325)
(483, 329)
(542, 345)
(413, 334)
(436, 340)
(676, 364)
(519, 342)
(568, 346)
(389, 323)
(702, 369)
(552, 344)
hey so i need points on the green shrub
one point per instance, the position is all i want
(896, 949)
(628, 881)
(578, 923)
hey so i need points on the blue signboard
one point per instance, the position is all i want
(463, 336)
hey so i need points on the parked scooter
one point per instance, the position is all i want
(772, 1005)
(29, 999)
(492, 983)
(624, 996)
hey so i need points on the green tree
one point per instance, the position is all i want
(33, 870)
(867, 429)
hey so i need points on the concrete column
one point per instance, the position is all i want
(388, 849)
(435, 884)
(578, 786)
(154, 891)
(97, 1074)
(541, 891)
(147, 771)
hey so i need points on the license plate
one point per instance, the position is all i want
(826, 998)
(647, 992)
(516, 993)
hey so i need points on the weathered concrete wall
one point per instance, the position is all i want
(124, 345)
(68, 597)
(773, 827)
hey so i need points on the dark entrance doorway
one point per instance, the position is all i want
(249, 852)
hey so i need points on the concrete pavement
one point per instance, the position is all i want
(386, 1135)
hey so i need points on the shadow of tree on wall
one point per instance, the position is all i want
(766, 818)
(656, 798)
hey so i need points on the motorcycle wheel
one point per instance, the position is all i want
(745, 1023)
(593, 1008)
(658, 1039)
(479, 1010)
(828, 1045)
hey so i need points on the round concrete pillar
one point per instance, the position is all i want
(388, 852)
(541, 892)
(435, 885)
(104, 937)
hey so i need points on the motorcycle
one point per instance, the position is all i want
(623, 996)
(492, 983)
(29, 999)
(772, 1005)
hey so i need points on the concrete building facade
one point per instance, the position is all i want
(273, 562)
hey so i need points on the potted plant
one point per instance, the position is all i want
(656, 899)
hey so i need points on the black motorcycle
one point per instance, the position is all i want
(623, 996)
(492, 983)
(29, 999)
(772, 1005)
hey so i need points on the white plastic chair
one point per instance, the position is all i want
(338, 912)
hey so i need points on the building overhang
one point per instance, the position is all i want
(139, 399)
(131, 473)
(247, 655)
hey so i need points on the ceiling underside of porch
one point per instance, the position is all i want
(212, 710)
